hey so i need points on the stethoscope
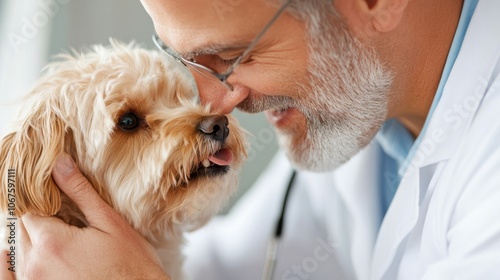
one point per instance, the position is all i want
(273, 245)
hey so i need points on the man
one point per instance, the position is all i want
(349, 85)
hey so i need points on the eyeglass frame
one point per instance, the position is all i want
(202, 69)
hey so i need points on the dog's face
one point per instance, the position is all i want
(129, 119)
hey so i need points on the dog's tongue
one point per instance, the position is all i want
(223, 157)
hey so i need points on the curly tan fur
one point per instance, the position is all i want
(144, 174)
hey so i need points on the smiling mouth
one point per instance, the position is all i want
(279, 111)
(277, 115)
(215, 165)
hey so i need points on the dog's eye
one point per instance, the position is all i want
(128, 121)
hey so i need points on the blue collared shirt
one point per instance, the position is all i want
(397, 143)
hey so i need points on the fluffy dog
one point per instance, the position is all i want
(130, 120)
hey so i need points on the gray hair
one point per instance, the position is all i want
(305, 9)
(312, 12)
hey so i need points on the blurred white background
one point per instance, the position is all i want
(33, 31)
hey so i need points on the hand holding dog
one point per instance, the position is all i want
(108, 249)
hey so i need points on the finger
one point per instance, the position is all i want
(24, 238)
(72, 182)
(36, 227)
(24, 249)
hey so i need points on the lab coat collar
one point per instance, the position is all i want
(462, 94)
(469, 80)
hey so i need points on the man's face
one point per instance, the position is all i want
(325, 93)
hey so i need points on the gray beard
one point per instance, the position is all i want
(345, 102)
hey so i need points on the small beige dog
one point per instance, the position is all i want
(128, 117)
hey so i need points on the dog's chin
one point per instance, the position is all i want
(211, 171)
(210, 189)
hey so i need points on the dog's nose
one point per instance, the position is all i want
(215, 127)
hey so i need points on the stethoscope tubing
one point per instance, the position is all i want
(274, 242)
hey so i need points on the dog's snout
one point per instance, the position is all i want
(215, 127)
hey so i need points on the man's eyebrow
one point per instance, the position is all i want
(214, 49)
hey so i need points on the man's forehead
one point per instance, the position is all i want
(220, 10)
(192, 24)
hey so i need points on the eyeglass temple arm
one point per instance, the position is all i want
(257, 39)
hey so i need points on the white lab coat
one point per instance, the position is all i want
(443, 223)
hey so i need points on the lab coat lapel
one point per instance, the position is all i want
(395, 228)
(467, 84)
(462, 95)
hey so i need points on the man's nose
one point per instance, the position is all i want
(221, 99)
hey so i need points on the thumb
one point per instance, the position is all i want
(72, 182)
(5, 273)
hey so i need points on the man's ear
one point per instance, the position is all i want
(26, 160)
(372, 17)
(385, 14)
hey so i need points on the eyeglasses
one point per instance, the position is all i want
(209, 73)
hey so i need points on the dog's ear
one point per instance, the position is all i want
(26, 160)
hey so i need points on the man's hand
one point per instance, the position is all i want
(108, 249)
